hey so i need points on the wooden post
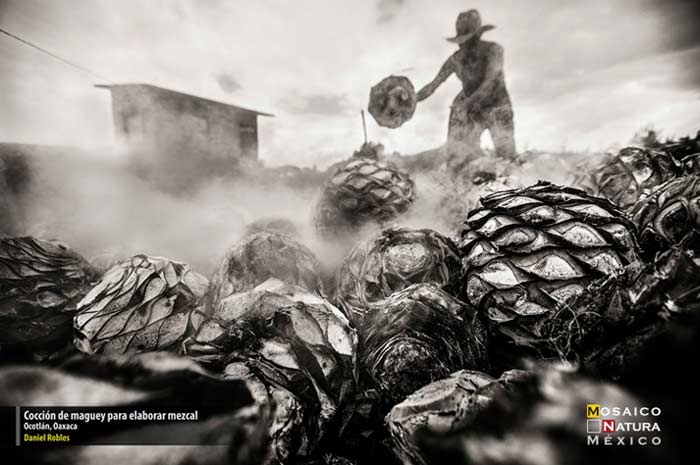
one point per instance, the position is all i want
(364, 126)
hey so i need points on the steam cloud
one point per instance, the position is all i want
(107, 213)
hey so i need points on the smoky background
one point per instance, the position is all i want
(584, 76)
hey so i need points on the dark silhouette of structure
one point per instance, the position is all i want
(154, 122)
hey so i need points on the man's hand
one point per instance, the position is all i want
(422, 94)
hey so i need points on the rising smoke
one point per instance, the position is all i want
(95, 203)
(579, 91)
(100, 207)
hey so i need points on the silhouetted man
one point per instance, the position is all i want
(484, 102)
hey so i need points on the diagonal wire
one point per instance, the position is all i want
(63, 60)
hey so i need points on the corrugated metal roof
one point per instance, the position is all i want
(162, 89)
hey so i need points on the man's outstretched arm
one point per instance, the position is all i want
(443, 74)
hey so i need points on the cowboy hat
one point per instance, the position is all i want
(469, 25)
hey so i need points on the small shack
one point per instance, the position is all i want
(158, 122)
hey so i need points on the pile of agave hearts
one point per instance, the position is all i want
(420, 348)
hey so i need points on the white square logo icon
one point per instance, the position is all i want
(593, 426)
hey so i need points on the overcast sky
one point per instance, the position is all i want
(583, 74)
